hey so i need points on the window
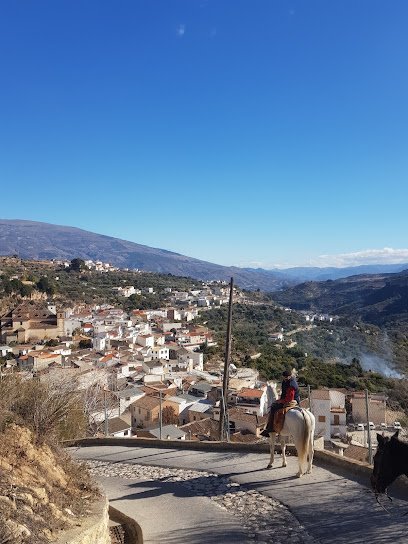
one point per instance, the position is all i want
(336, 419)
(322, 419)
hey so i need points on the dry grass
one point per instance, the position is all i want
(42, 490)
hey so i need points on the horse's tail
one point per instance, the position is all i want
(307, 442)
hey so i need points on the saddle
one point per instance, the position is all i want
(279, 416)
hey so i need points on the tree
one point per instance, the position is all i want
(25, 290)
(169, 416)
(77, 265)
(85, 344)
(45, 286)
(97, 402)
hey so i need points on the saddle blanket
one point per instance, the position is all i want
(279, 416)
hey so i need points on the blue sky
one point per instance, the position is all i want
(256, 132)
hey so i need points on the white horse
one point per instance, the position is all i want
(299, 424)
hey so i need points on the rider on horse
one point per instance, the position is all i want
(290, 393)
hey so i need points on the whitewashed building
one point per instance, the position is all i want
(328, 407)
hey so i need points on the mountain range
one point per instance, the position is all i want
(380, 299)
(36, 240)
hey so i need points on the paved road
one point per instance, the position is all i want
(332, 508)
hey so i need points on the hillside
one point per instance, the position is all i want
(380, 299)
(43, 492)
(34, 240)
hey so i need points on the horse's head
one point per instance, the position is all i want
(386, 467)
(269, 396)
(271, 392)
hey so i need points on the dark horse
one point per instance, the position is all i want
(390, 461)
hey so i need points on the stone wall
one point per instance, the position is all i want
(93, 530)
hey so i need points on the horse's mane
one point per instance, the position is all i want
(402, 444)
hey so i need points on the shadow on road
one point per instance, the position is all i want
(207, 533)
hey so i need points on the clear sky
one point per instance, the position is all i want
(246, 132)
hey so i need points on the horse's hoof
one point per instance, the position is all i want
(284, 465)
(269, 466)
(299, 474)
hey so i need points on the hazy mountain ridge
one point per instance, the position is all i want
(35, 240)
(314, 273)
(381, 299)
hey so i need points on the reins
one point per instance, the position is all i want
(380, 504)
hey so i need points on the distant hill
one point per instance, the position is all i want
(381, 299)
(35, 240)
(312, 273)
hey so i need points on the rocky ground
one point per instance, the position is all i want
(265, 519)
(42, 491)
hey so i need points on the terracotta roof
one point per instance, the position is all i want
(242, 415)
(320, 394)
(250, 393)
(106, 358)
(147, 403)
(201, 428)
(42, 354)
(244, 437)
(116, 424)
(372, 396)
(140, 433)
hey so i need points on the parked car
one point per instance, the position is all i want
(397, 425)
(371, 425)
(383, 426)
(360, 427)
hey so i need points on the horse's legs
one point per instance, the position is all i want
(272, 437)
(310, 459)
(299, 449)
(310, 452)
(283, 447)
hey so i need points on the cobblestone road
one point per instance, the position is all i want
(218, 497)
(265, 519)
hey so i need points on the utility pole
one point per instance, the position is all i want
(161, 415)
(370, 450)
(223, 423)
(106, 411)
(160, 408)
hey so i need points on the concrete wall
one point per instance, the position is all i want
(133, 532)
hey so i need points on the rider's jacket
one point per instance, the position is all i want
(290, 391)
